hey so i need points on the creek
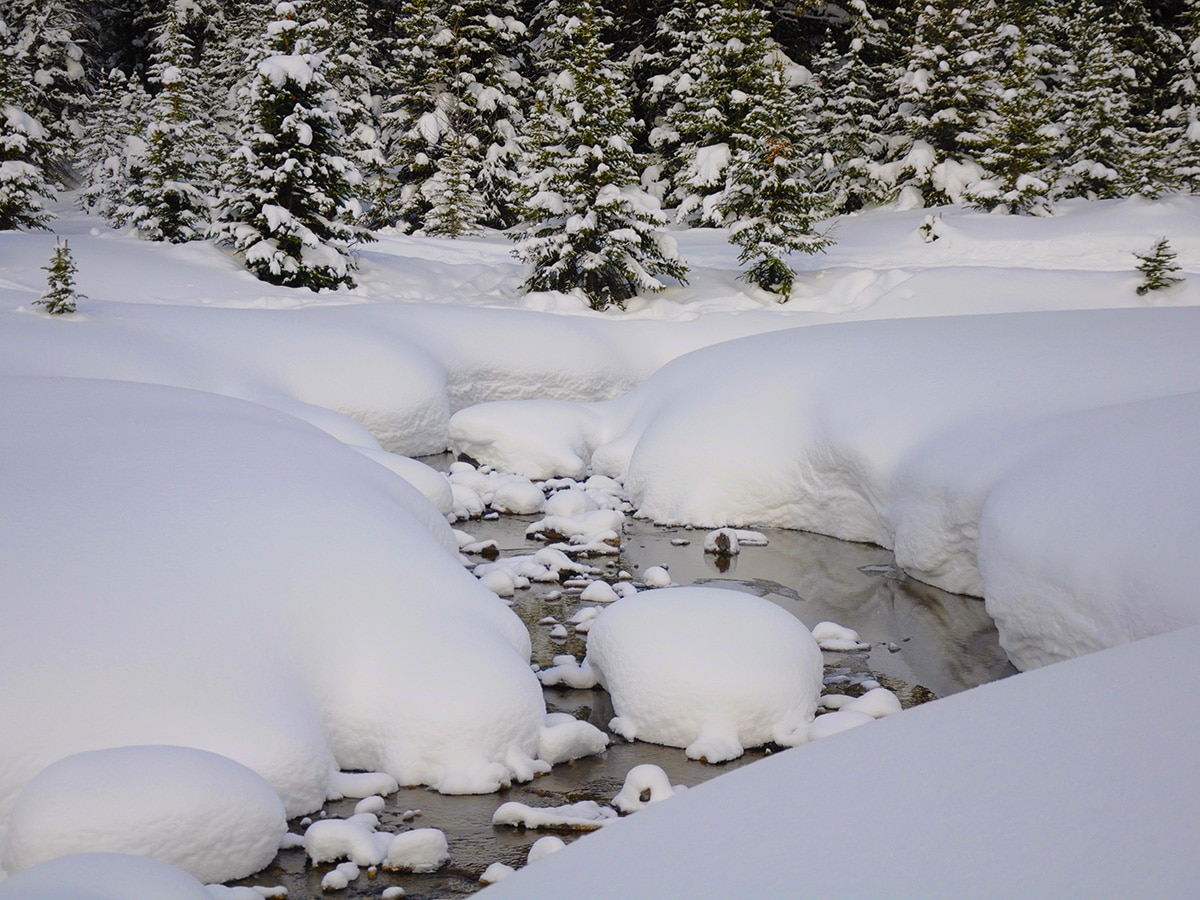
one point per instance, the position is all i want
(924, 643)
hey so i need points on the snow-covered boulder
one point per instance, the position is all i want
(198, 811)
(711, 670)
(644, 785)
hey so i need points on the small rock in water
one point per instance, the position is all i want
(679, 542)
(837, 638)
(559, 632)
(543, 847)
(722, 542)
(497, 871)
(644, 784)
(656, 577)
(598, 592)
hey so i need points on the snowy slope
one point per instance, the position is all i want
(1071, 781)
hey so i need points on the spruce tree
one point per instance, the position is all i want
(44, 41)
(458, 86)
(353, 73)
(1181, 118)
(1158, 268)
(1019, 145)
(112, 155)
(941, 106)
(60, 296)
(170, 201)
(1098, 123)
(24, 146)
(770, 201)
(716, 90)
(455, 206)
(588, 225)
(290, 201)
(849, 135)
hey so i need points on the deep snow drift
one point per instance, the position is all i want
(897, 432)
(213, 574)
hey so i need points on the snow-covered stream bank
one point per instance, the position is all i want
(922, 643)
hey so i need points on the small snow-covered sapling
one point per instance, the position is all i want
(60, 297)
(1158, 268)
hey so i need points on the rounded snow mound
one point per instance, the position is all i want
(198, 811)
(711, 670)
(269, 593)
(103, 876)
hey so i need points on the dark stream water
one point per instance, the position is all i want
(925, 643)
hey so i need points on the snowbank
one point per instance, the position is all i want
(182, 568)
(1091, 542)
(1042, 796)
(890, 432)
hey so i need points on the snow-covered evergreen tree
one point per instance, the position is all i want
(112, 154)
(942, 104)
(353, 73)
(716, 89)
(1102, 149)
(170, 199)
(771, 202)
(60, 297)
(1018, 145)
(1158, 268)
(588, 224)
(457, 84)
(290, 200)
(43, 40)
(849, 136)
(659, 73)
(1181, 118)
(455, 206)
(24, 146)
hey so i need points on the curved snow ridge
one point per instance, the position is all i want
(272, 596)
(892, 432)
(314, 358)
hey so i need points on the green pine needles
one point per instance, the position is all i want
(1158, 268)
(60, 296)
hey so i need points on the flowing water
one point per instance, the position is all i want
(925, 643)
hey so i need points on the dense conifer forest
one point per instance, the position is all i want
(289, 131)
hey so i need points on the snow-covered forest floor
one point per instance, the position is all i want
(213, 539)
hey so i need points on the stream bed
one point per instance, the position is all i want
(924, 643)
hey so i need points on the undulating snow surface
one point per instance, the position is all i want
(187, 560)
(1075, 780)
(895, 432)
(214, 574)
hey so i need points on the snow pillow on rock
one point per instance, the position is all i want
(710, 670)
